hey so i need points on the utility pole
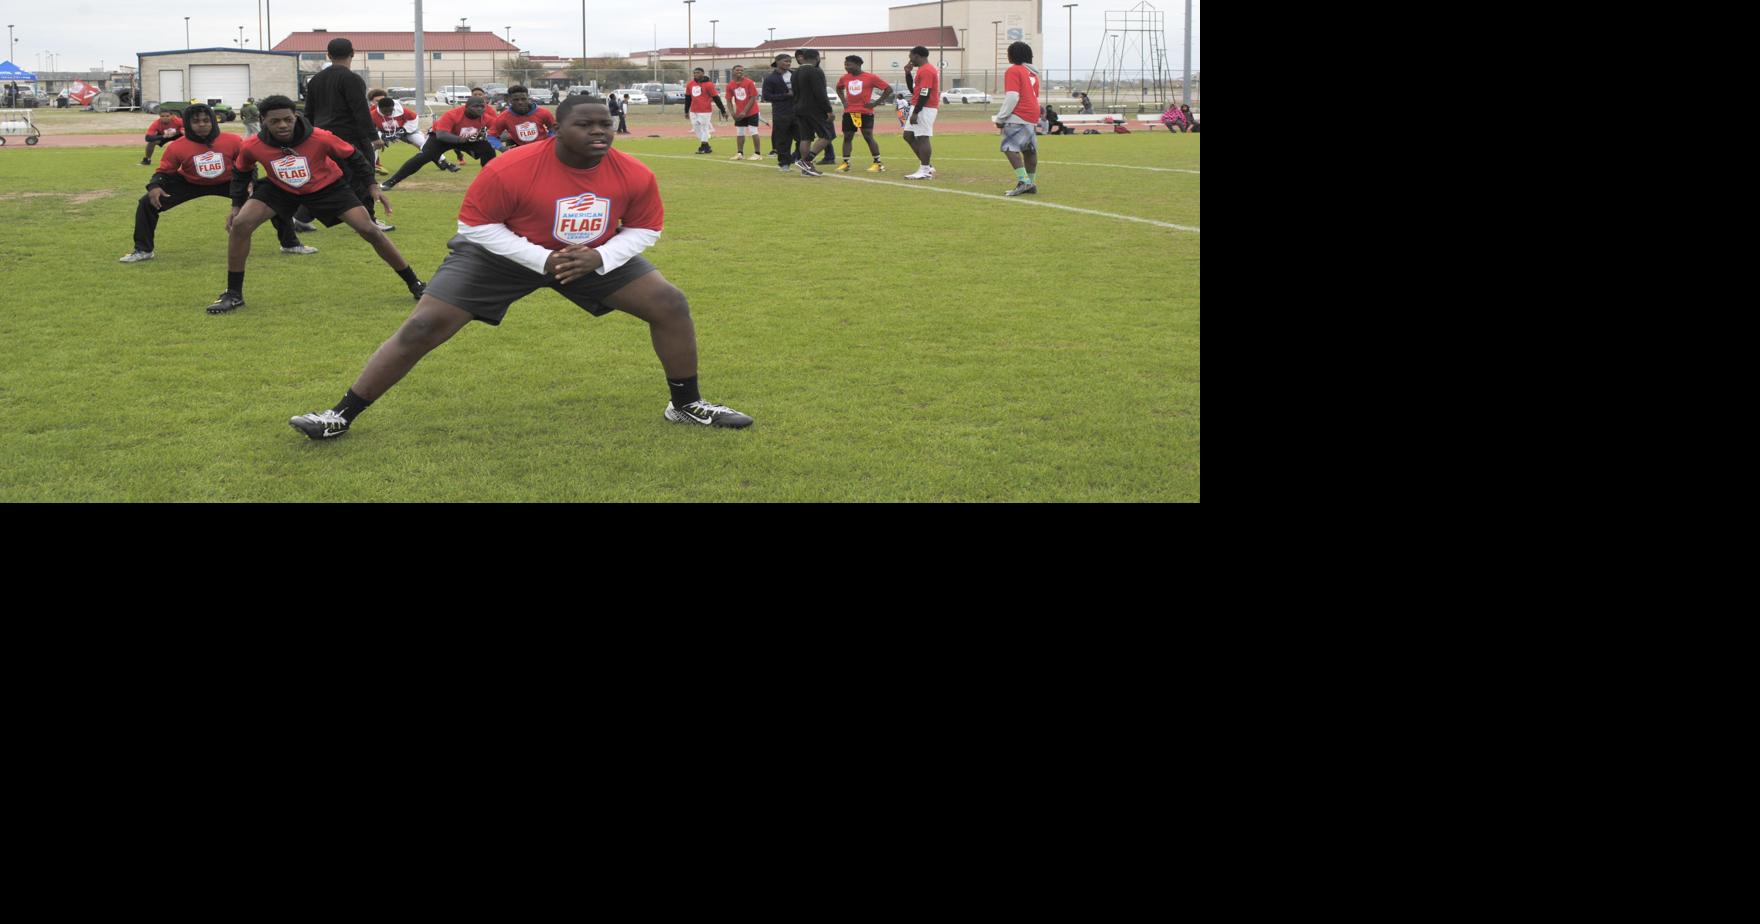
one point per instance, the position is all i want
(712, 33)
(465, 45)
(186, 33)
(995, 49)
(690, 60)
(1072, 45)
(421, 67)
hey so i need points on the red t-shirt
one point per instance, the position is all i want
(389, 124)
(456, 122)
(525, 129)
(201, 164)
(702, 94)
(858, 91)
(743, 94)
(554, 205)
(1021, 79)
(929, 86)
(158, 127)
(307, 170)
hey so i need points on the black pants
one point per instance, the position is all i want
(362, 189)
(782, 137)
(622, 125)
(179, 191)
(434, 148)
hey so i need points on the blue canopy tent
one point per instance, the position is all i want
(12, 73)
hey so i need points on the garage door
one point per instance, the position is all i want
(228, 83)
(170, 86)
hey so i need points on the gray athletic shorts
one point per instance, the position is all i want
(484, 284)
(1017, 138)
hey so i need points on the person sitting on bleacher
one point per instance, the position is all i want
(1054, 126)
(1175, 118)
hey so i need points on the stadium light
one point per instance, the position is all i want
(186, 33)
(712, 34)
(1072, 45)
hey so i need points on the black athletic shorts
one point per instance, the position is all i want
(849, 124)
(484, 283)
(750, 121)
(326, 205)
(810, 125)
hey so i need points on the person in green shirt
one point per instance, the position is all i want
(252, 119)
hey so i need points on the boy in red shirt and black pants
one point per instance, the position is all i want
(198, 164)
(742, 98)
(567, 214)
(307, 168)
(164, 130)
(856, 89)
(464, 130)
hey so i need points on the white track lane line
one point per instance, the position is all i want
(957, 192)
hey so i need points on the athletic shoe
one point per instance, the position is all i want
(301, 250)
(708, 150)
(1022, 189)
(320, 426)
(381, 171)
(737, 157)
(785, 167)
(931, 171)
(305, 227)
(383, 226)
(843, 167)
(877, 167)
(447, 166)
(145, 162)
(137, 256)
(227, 301)
(807, 169)
(417, 288)
(706, 414)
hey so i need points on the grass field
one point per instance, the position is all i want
(893, 343)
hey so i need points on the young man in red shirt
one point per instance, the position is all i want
(465, 130)
(524, 122)
(164, 130)
(306, 167)
(1020, 113)
(698, 97)
(397, 122)
(568, 214)
(742, 98)
(856, 89)
(919, 126)
(195, 166)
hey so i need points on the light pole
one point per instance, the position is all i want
(941, 38)
(583, 38)
(464, 44)
(995, 49)
(240, 36)
(965, 58)
(712, 33)
(772, 33)
(690, 58)
(186, 33)
(1072, 45)
(269, 24)
(260, 25)
(509, 31)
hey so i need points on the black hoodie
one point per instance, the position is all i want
(354, 168)
(160, 179)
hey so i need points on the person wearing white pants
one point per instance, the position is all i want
(699, 96)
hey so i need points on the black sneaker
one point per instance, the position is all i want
(807, 169)
(305, 227)
(145, 162)
(228, 301)
(387, 186)
(706, 414)
(320, 426)
(1022, 189)
(448, 166)
(417, 288)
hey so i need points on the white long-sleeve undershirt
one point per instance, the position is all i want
(501, 240)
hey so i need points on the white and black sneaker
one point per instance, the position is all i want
(921, 173)
(301, 250)
(305, 227)
(706, 414)
(1022, 189)
(320, 426)
(807, 169)
(137, 256)
(228, 301)
(445, 165)
(384, 225)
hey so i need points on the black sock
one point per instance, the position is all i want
(235, 282)
(684, 392)
(408, 275)
(350, 405)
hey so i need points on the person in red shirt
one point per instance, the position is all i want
(164, 130)
(742, 98)
(195, 166)
(399, 123)
(465, 130)
(698, 96)
(919, 126)
(1020, 113)
(305, 167)
(856, 89)
(524, 122)
(570, 215)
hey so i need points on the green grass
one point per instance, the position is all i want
(893, 344)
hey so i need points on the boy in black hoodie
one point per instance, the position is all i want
(812, 110)
(306, 167)
(196, 165)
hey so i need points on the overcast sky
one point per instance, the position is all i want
(87, 35)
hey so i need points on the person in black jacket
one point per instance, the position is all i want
(812, 110)
(336, 101)
(778, 91)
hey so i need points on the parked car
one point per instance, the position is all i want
(495, 89)
(656, 93)
(964, 95)
(454, 95)
(582, 89)
(541, 94)
(674, 93)
(637, 97)
(400, 92)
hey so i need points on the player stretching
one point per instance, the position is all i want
(524, 121)
(1020, 112)
(742, 97)
(302, 165)
(397, 122)
(568, 214)
(856, 89)
(465, 130)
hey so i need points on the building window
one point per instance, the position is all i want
(311, 57)
(375, 56)
(436, 55)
